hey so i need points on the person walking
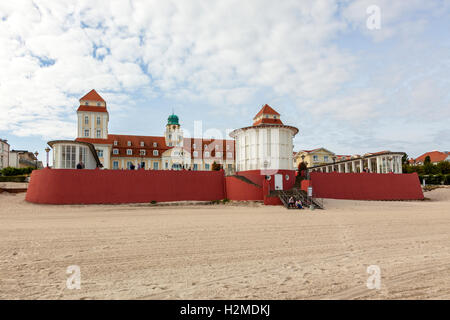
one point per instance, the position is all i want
(291, 202)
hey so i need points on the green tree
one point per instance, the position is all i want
(302, 166)
(427, 160)
(443, 167)
(216, 167)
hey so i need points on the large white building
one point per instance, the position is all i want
(111, 151)
(266, 145)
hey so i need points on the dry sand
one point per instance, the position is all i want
(225, 251)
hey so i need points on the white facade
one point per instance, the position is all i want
(4, 154)
(388, 162)
(68, 154)
(268, 147)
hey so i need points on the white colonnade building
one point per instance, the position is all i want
(380, 162)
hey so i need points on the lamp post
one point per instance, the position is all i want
(36, 154)
(47, 150)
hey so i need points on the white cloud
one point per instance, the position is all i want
(217, 53)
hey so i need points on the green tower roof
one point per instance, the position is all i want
(173, 119)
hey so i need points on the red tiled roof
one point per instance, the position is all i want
(92, 96)
(266, 109)
(92, 108)
(210, 146)
(122, 145)
(267, 121)
(435, 156)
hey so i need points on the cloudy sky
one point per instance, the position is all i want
(347, 87)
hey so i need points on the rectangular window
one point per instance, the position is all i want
(325, 158)
(86, 120)
(167, 165)
(230, 167)
(315, 158)
(99, 133)
(228, 147)
(195, 167)
(100, 153)
(155, 165)
(129, 152)
(229, 155)
(218, 154)
(115, 165)
(68, 155)
(206, 154)
(86, 132)
(206, 166)
(155, 152)
(195, 153)
(98, 120)
(216, 147)
(194, 146)
(129, 163)
(115, 151)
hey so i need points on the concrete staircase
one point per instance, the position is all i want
(297, 193)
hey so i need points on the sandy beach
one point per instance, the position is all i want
(226, 251)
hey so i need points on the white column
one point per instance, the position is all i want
(353, 166)
(369, 164)
(361, 165)
(400, 168)
(346, 167)
(339, 167)
(378, 164)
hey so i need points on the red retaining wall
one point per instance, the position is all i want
(240, 190)
(68, 186)
(258, 177)
(366, 186)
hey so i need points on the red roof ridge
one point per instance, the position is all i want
(92, 96)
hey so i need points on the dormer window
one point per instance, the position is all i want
(98, 104)
(206, 146)
(129, 152)
(155, 144)
(142, 143)
(115, 142)
(129, 143)
(86, 103)
(142, 152)
(115, 151)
